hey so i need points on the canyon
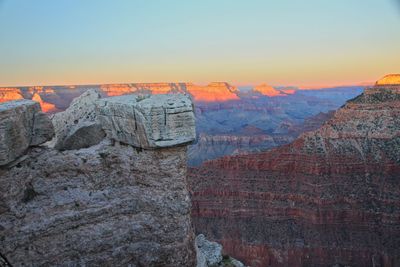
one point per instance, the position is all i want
(301, 185)
(229, 120)
(329, 198)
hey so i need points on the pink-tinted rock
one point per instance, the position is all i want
(330, 197)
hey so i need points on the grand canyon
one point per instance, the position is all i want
(242, 133)
(326, 195)
(228, 120)
(329, 197)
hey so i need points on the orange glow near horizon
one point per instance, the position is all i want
(307, 44)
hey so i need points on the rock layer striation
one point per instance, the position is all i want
(330, 197)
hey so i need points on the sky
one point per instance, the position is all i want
(287, 42)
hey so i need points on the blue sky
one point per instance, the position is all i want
(243, 41)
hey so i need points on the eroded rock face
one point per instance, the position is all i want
(148, 122)
(100, 206)
(110, 204)
(329, 198)
(77, 127)
(22, 124)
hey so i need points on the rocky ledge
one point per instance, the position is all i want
(110, 201)
(22, 124)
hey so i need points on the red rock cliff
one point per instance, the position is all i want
(330, 197)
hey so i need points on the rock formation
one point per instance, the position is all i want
(213, 92)
(22, 124)
(250, 139)
(329, 198)
(390, 79)
(77, 127)
(46, 107)
(10, 94)
(148, 122)
(267, 90)
(111, 204)
(209, 254)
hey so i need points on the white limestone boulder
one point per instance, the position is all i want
(148, 121)
(77, 126)
(22, 124)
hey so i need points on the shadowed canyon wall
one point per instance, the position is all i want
(330, 198)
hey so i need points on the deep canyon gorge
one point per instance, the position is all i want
(330, 197)
(277, 176)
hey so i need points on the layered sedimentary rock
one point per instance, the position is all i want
(330, 197)
(77, 126)
(267, 90)
(250, 139)
(111, 204)
(148, 122)
(213, 92)
(46, 107)
(10, 94)
(22, 124)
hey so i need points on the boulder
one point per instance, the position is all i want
(22, 124)
(148, 121)
(208, 253)
(77, 126)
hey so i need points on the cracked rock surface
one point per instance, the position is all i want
(22, 124)
(107, 205)
(148, 122)
(77, 126)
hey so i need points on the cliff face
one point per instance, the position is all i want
(46, 107)
(9, 94)
(267, 90)
(330, 197)
(217, 91)
(116, 203)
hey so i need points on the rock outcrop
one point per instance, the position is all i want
(10, 94)
(22, 124)
(148, 122)
(213, 92)
(46, 107)
(390, 79)
(267, 90)
(110, 204)
(77, 127)
(329, 198)
(209, 254)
